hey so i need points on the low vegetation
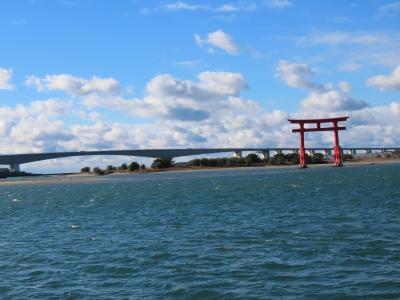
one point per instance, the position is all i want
(254, 160)
(250, 160)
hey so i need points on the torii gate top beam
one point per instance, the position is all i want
(313, 121)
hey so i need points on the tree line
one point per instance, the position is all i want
(158, 163)
(251, 159)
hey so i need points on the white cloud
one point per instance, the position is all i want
(382, 82)
(322, 97)
(220, 40)
(278, 3)
(5, 77)
(180, 5)
(175, 99)
(75, 86)
(296, 74)
(228, 8)
(236, 7)
(223, 83)
(331, 101)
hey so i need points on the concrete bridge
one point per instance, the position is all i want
(15, 160)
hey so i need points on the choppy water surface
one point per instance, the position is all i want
(319, 233)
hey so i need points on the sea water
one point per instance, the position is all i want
(320, 233)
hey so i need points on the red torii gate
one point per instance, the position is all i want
(335, 128)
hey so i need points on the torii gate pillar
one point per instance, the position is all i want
(302, 129)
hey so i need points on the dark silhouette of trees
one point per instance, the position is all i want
(123, 167)
(279, 159)
(110, 169)
(133, 166)
(252, 159)
(162, 163)
(85, 170)
(347, 157)
(194, 162)
(98, 171)
(318, 158)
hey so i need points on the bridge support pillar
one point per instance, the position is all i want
(265, 154)
(238, 154)
(312, 152)
(368, 151)
(353, 152)
(278, 151)
(14, 168)
(327, 152)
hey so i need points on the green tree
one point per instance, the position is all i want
(163, 163)
(194, 162)
(85, 170)
(133, 166)
(123, 167)
(212, 162)
(318, 158)
(279, 159)
(252, 159)
(142, 167)
(222, 162)
(235, 161)
(98, 171)
(204, 162)
(293, 158)
(110, 169)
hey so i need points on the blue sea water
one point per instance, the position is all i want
(321, 233)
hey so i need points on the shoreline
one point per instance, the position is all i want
(90, 178)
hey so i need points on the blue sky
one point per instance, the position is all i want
(261, 62)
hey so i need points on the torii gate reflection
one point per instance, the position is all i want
(318, 122)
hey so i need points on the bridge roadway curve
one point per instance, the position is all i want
(14, 160)
(152, 153)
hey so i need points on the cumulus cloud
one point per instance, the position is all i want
(75, 86)
(383, 82)
(296, 74)
(5, 77)
(331, 101)
(171, 98)
(322, 98)
(278, 3)
(218, 39)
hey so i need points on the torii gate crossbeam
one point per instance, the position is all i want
(302, 129)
